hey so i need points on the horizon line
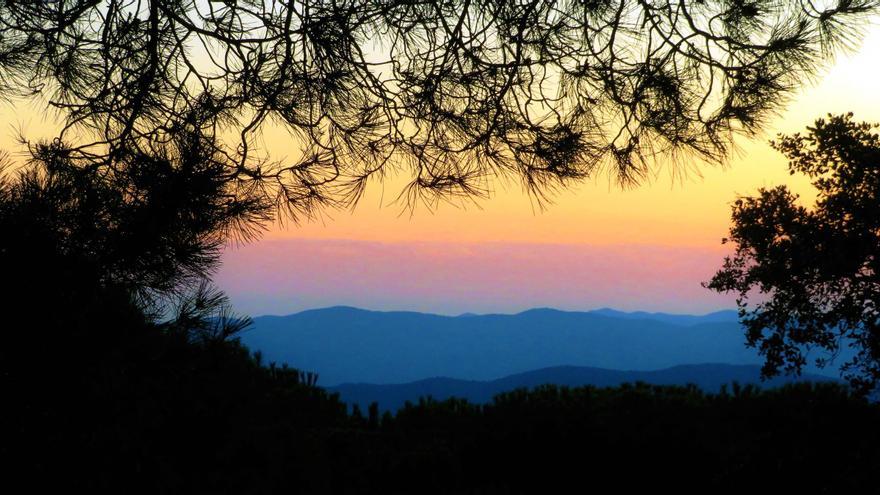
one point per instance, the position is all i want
(471, 313)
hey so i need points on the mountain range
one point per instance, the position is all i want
(350, 345)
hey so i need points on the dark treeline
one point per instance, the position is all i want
(803, 438)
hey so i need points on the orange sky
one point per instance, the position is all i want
(646, 248)
(693, 211)
(690, 214)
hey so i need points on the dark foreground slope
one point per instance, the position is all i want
(201, 420)
(708, 377)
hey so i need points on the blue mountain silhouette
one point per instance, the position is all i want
(349, 345)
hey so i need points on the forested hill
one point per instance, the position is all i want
(348, 345)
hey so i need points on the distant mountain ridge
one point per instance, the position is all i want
(349, 345)
(709, 377)
(724, 315)
(727, 315)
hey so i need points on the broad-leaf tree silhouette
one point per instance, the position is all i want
(809, 278)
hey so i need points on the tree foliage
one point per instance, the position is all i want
(119, 365)
(809, 278)
(448, 93)
(148, 230)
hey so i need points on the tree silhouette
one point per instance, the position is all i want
(117, 366)
(808, 278)
(449, 93)
(116, 358)
(151, 226)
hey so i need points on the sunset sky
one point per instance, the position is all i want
(645, 248)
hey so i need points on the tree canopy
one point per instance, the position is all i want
(809, 278)
(449, 93)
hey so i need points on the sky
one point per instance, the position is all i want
(643, 248)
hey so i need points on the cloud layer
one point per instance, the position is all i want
(288, 275)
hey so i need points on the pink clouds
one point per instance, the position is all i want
(285, 276)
